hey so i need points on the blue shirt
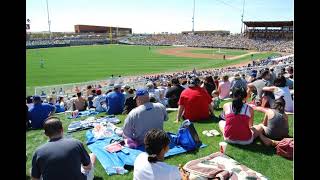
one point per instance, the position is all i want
(115, 101)
(38, 113)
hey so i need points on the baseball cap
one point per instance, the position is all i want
(98, 91)
(36, 98)
(150, 85)
(117, 86)
(194, 81)
(253, 74)
(141, 92)
(126, 86)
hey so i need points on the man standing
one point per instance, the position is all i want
(173, 93)
(61, 158)
(39, 112)
(144, 117)
(115, 100)
(194, 102)
(41, 63)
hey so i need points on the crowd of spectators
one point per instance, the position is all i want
(232, 41)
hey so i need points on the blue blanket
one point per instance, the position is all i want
(85, 113)
(114, 163)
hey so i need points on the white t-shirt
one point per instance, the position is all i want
(285, 92)
(144, 170)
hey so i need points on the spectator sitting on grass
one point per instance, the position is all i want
(173, 93)
(61, 158)
(56, 104)
(215, 100)
(237, 127)
(99, 102)
(79, 103)
(40, 112)
(281, 90)
(257, 85)
(144, 117)
(224, 87)
(195, 103)
(209, 84)
(150, 165)
(29, 102)
(130, 102)
(275, 121)
(115, 100)
(238, 82)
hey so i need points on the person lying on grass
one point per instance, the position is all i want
(237, 126)
(275, 121)
(149, 165)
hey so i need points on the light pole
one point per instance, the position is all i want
(48, 19)
(242, 15)
(194, 4)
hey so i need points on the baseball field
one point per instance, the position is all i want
(86, 63)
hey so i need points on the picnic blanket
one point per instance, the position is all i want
(84, 113)
(88, 124)
(218, 165)
(114, 163)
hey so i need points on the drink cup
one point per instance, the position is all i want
(223, 147)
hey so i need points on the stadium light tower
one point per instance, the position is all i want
(194, 5)
(242, 15)
(48, 20)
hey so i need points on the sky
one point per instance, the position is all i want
(155, 16)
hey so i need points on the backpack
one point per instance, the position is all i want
(187, 136)
(285, 148)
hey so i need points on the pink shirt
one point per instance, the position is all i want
(224, 89)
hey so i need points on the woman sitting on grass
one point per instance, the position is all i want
(150, 165)
(275, 121)
(237, 127)
(280, 89)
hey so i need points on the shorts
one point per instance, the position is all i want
(240, 142)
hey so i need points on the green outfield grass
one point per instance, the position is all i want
(256, 156)
(86, 63)
(230, 52)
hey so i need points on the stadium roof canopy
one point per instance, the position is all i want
(268, 23)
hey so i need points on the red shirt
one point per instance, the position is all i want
(237, 126)
(196, 101)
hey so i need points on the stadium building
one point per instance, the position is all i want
(269, 30)
(116, 31)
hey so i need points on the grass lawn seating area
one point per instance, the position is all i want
(255, 156)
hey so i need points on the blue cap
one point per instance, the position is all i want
(253, 74)
(36, 97)
(141, 92)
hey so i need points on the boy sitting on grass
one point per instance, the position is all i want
(215, 100)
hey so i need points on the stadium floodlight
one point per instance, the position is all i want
(49, 22)
(242, 15)
(194, 4)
